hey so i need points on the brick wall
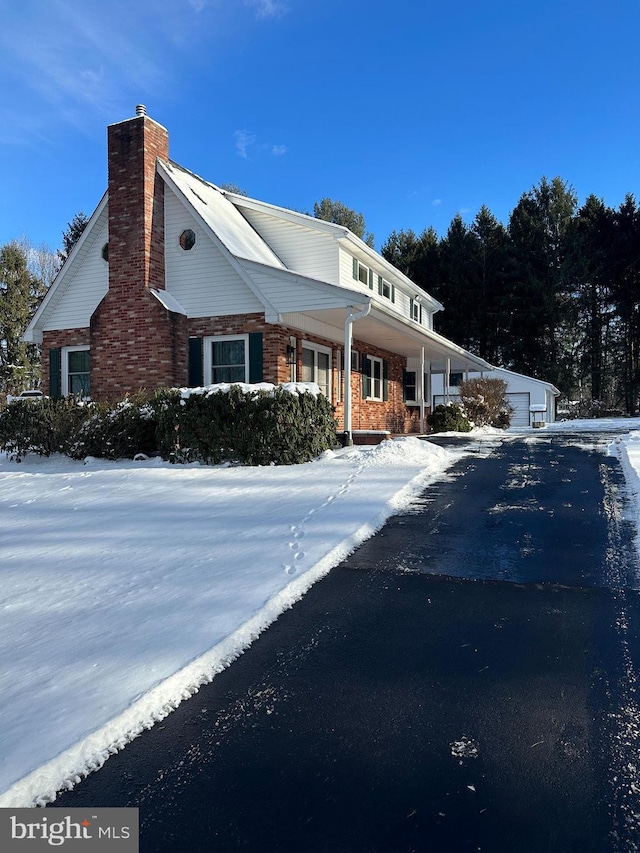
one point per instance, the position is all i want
(274, 339)
(56, 339)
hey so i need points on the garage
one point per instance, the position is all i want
(520, 402)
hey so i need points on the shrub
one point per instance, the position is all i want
(116, 432)
(247, 425)
(448, 418)
(42, 426)
(485, 402)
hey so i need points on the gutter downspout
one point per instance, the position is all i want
(348, 339)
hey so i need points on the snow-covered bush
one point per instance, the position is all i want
(77, 428)
(255, 426)
(116, 432)
(448, 418)
(485, 402)
(41, 426)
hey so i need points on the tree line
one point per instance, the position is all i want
(554, 293)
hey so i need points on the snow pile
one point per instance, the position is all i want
(127, 585)
(224, 387)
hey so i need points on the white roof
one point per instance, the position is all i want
(221, 216)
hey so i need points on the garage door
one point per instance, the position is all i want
(520, 403)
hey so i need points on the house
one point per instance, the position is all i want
(532, 400)
(176, 282)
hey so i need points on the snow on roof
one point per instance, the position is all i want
(221, 216)
(169, 301)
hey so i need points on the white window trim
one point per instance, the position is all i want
(376, 359)
(316, 348)
(64, 372)
(208, 357)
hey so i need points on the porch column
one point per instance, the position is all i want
(447, 381)
(348, 339)
(420, 389)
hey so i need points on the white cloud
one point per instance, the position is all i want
(279, 150)
(244, 140)
(267, 8)
(436, 202)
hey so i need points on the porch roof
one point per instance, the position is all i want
(381, 329)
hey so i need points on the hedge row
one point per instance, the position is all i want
(245, 425)
(255, 427)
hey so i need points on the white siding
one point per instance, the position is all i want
(84, 284)
(402, 298)
(300, 249)
(202, 280)
(287, 293)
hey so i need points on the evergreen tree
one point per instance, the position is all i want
(340, 214)
(455, 286)
(72, 234)
(418, 257)
(490, 260)
(541, 281)
(20, 294)
(624, 269)
(593, 325)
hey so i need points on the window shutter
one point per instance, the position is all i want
(255, 357)
(355, 268)
(366, 376)
(393, 293)
(420, 313)
(404, 385)
(385, 379)
(380, 285)
(55, 363)
(370, 279)
(196, 370)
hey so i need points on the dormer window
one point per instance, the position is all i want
(187, 240)
(362, 274)
(385, 289)
(416, 311)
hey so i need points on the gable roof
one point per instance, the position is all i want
(220, 215)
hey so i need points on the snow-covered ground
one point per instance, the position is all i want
(124, 586)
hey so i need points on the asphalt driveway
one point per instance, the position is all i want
(465, 681)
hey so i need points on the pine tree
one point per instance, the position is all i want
(20, 293)
(340, 214)
(72, 234)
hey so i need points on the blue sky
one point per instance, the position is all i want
(408, 111)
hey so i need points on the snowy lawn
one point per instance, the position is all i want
(126, 585)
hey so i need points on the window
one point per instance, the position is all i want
(411, 387)
(376, 377)
(105, 252)
(187, 240)
(75, 371)
(385, 289)
(455, 379)
(226, 359)
(316, 366)
(362, 274)
(416, 311)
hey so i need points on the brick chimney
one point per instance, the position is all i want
(136, 343)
